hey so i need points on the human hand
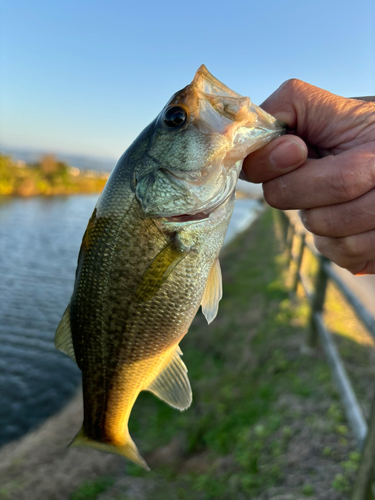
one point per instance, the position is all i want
(327, 170)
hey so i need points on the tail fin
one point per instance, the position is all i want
(128, 450)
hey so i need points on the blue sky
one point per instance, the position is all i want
(87, 76)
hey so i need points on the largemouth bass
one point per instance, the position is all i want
(149, 256)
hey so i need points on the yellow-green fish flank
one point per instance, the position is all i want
(149, 256)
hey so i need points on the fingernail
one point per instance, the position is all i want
(287, 154)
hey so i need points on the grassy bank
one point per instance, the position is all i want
(265, 422)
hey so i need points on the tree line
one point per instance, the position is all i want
(48, 177)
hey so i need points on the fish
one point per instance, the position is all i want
(149, 257)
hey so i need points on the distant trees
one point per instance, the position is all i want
(47, 177)
(6, 178)
(48, 164)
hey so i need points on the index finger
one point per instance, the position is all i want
(330, 122)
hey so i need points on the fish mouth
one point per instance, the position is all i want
(188, 217)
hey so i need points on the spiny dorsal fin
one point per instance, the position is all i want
(63, 337)
(159, 270)
(172, 384)
(212, 293)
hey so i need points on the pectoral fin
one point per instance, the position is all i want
(63, 336)
(212, 293)
(172, 384)
(159, 270)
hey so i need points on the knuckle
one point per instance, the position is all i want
(351, 175)
(292, 85)
(368, 170)
(344, 185)
(349, 247)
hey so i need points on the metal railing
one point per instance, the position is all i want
(364, 432)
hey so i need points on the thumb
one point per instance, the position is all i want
(280, 156)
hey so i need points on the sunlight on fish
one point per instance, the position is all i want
(149, 256)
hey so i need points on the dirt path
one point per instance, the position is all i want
(39, 466)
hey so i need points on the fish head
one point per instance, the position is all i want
(196, 147)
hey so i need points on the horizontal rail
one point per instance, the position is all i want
(360, 310)
(353, 410)
(306, 286)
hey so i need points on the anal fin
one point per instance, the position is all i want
(63, 336)
(212, 293)
(172, 384)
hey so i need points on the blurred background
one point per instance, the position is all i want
(79, 82)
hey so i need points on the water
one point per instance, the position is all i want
(39, 243)
(244, 213)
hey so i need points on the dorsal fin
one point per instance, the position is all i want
(212, 293)
(172, 384)
(159, 270)
(63, 336)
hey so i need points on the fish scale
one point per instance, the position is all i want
(149, 256)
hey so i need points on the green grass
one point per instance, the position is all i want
(90, 490)
(256, 395)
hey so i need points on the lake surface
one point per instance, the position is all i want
(39, 243)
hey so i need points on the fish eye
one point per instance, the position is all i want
(175, 117)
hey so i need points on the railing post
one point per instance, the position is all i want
(285, 221)
(320, 286)
(285, 224)
(281, 225)
(289, 242)
(365, 480)
(298, 262)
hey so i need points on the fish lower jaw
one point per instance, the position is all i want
(188, 217)
(212, 211)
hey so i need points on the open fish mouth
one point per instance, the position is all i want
(188, 217)
(213, 129)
